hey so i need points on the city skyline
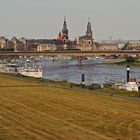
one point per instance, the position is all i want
(44, 18)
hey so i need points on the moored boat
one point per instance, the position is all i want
(32, 72)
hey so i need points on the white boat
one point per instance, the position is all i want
(96, 57)
(27, 60)
(90, 58)
(32, 72)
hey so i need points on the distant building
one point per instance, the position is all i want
(108, 47)
(121, 46)
(60, 37)
(3, 42)
(23, 44)
(86, 42)
(19, 44)
(65, 31)
(63, 37)
(14, 40)
(135, 45)
(62, 41)
(46, 47)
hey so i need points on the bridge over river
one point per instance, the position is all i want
(79, 55)
(72, 53)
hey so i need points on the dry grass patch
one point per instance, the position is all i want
(42, 112)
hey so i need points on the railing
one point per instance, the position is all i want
(71, 52)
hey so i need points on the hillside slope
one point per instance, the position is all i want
(32, 111)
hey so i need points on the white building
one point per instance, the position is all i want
(132, 85)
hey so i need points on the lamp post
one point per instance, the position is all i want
(83, 80)
(128, 73)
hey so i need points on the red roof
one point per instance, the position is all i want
(59, 38)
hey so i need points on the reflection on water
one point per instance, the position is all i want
(95, 71)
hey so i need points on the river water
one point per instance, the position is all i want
(95, 71)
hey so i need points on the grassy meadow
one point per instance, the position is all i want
(33, 110)
(135, 64)
(123, 62)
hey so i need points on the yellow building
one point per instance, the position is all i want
(3, 42)
(108, 47)
(46, 47)
(132, 46)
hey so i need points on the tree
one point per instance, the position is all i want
(125, 46)
(130, 59)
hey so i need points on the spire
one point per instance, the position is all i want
(65, 30)
(65, 23)
(64, 18)
(89, 30)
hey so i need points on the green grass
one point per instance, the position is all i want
(1, 138)
(115, 91)
(137, 63)
(124, 63)
(35, 110)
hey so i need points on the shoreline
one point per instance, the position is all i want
(107, 91)
(122, 63)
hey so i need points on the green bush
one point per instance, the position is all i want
(94, 86)
(6, 49)
(107, 85)
(130, 59)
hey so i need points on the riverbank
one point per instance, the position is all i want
(123, 63)
(34, 109)
(107, 89)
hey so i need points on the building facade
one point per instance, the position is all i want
(108, 47)
(3, 42)
(86, 42)
(63, 38)
(132, 46)
(46, 47)
(65, 31)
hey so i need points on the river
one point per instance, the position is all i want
(95, 71)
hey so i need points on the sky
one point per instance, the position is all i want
(44, 18)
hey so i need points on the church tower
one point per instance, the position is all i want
(86, 42)
(65, 31)
(89, 31)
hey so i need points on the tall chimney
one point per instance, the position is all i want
(128, 73)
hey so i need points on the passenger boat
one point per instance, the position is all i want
(32, 72)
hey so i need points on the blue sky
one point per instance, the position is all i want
(44, 18)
